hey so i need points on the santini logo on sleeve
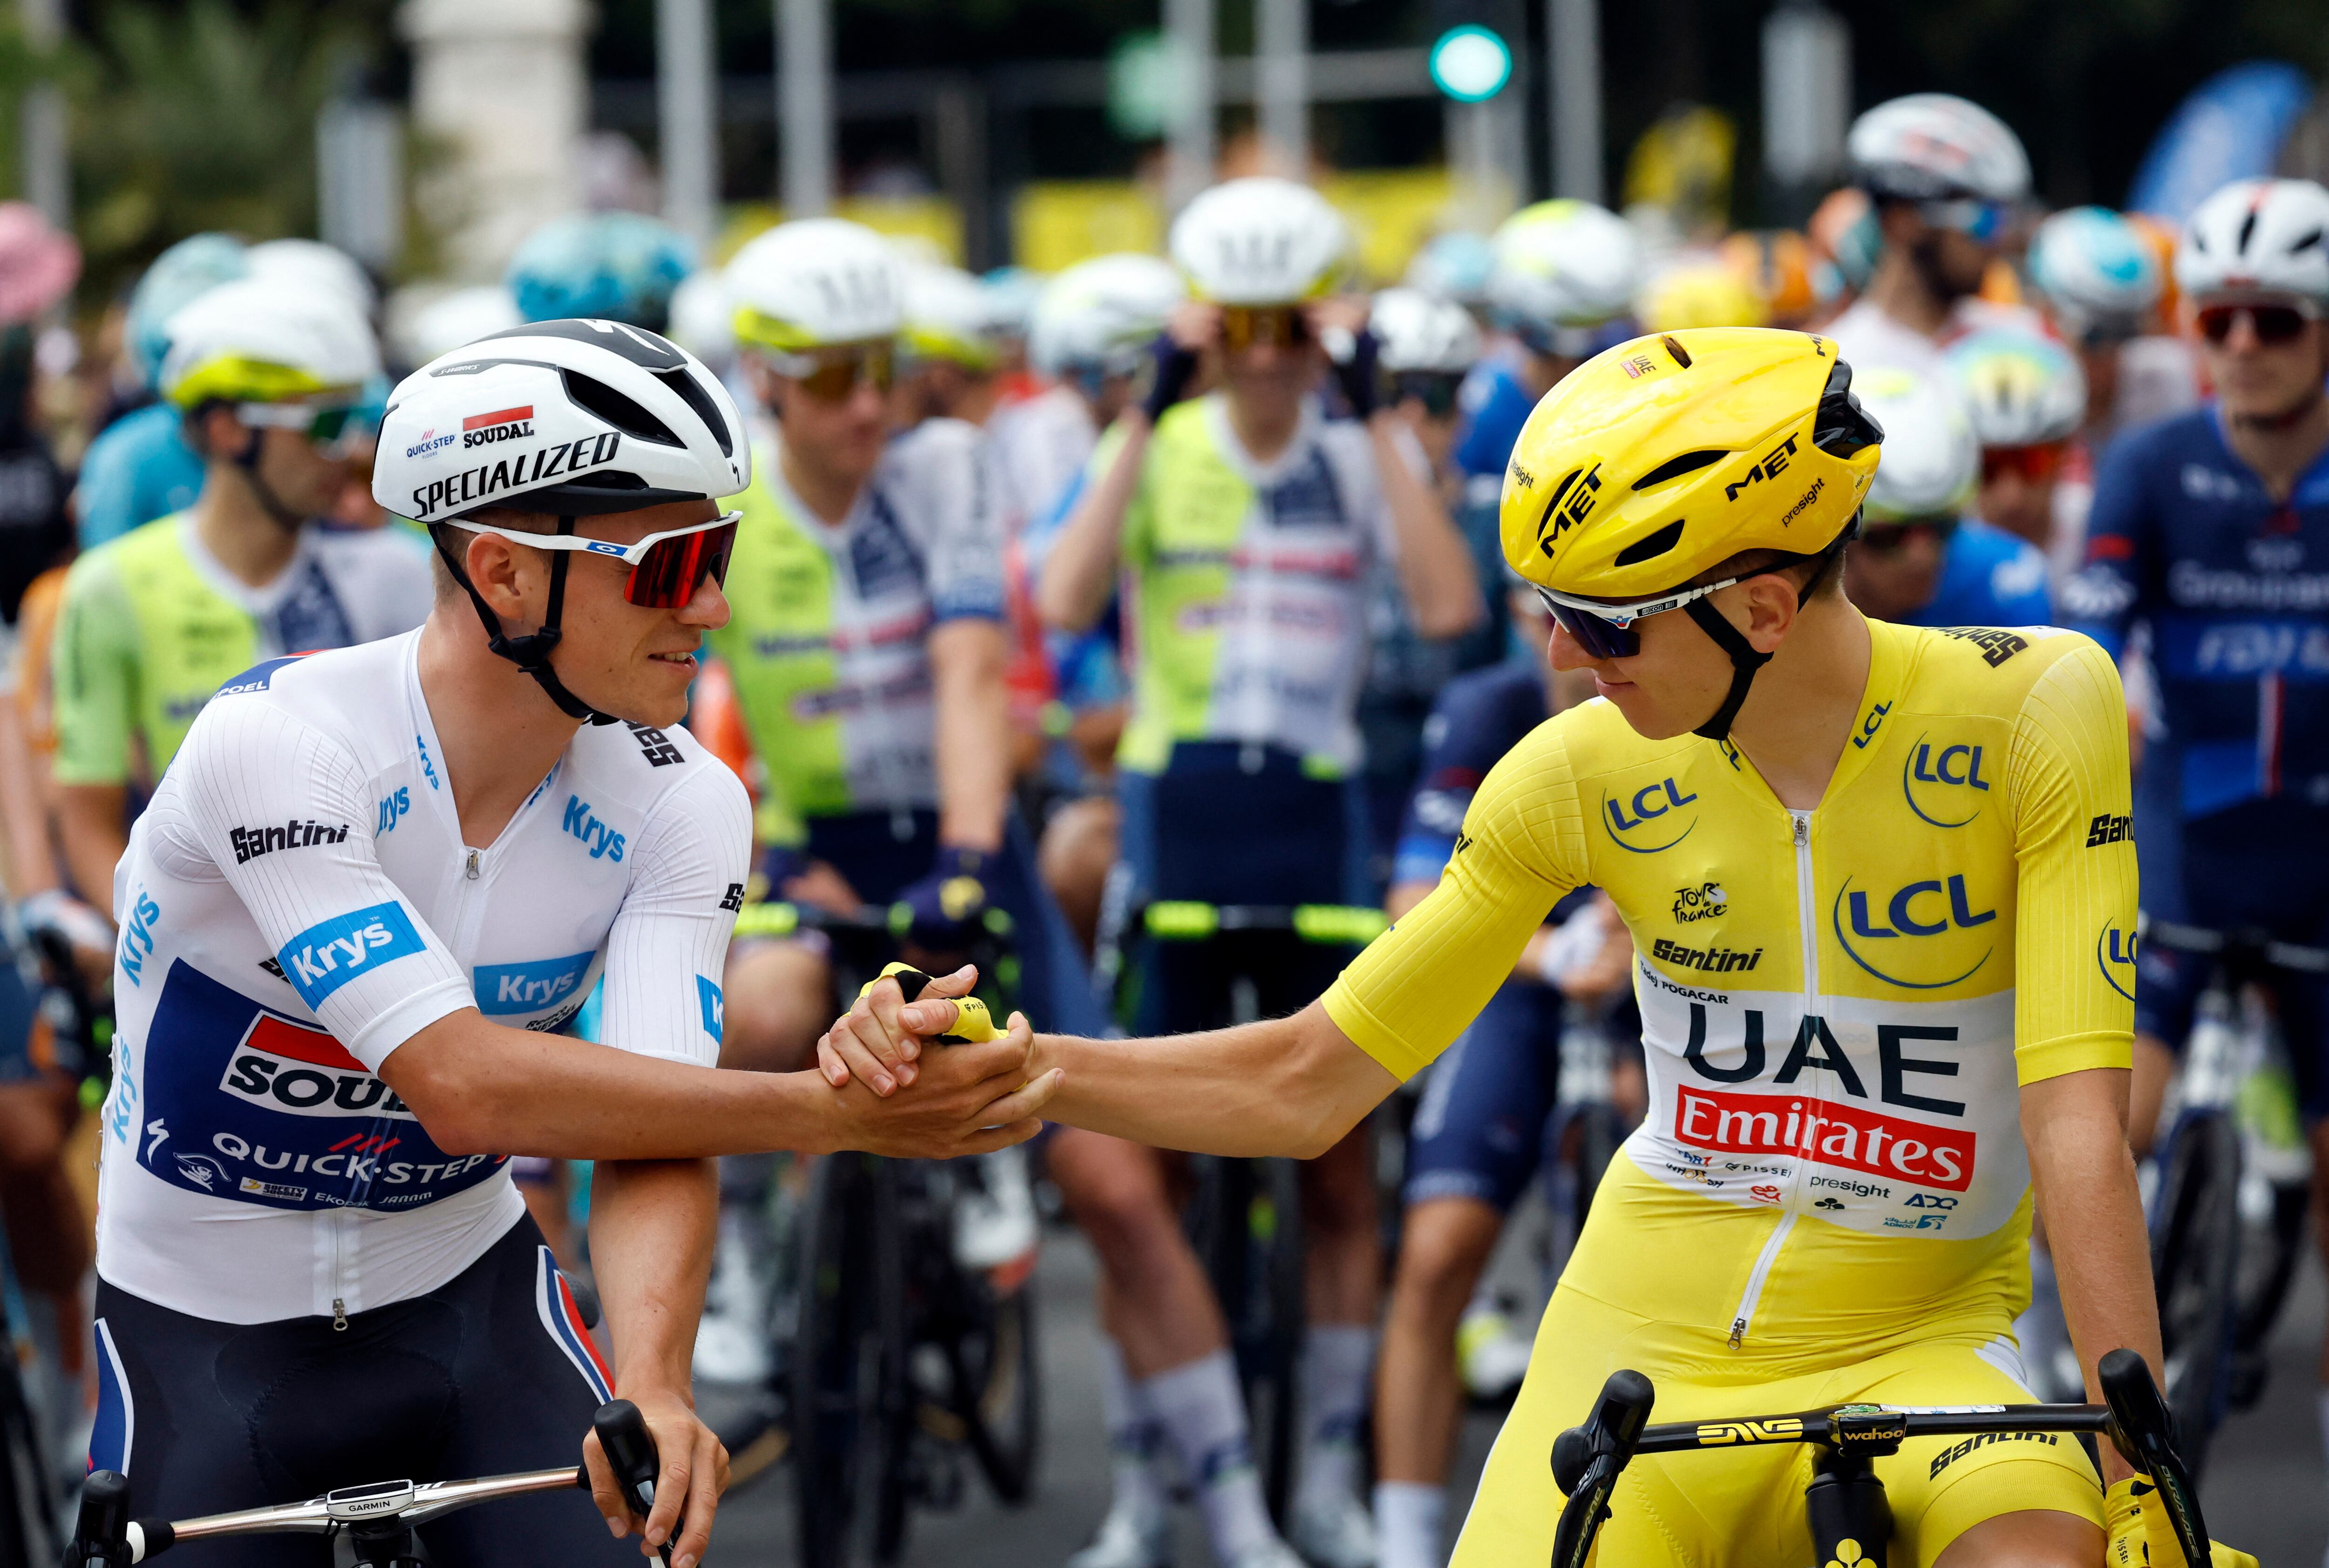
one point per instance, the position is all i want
(328, 954)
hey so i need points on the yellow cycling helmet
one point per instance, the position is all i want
(1657, 460)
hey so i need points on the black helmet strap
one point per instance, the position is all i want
(530, 652)
(1745, 658)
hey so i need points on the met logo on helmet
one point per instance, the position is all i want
(1773, 464)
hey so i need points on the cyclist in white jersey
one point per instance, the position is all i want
(371, 885)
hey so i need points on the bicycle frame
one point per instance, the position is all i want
(379, 1518)
(1589, 1460)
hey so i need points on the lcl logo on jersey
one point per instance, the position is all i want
(1925, 909)
(1943, 782)
(2114, 957)
(1637, 821)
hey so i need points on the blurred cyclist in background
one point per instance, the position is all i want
(950, 352)
(1943, 176)
(266, 380)
(1565, 273)
(1243, 525)
(603, 265)
(866, 647)
(2026, 398)
(1478, 1140)
(1919, 560)
(141, 467)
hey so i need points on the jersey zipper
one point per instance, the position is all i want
(1807, 934)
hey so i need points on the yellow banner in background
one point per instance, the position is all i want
(929, 226)
(1056, 224)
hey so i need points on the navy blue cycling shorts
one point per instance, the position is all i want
(1480, 1131)
(488, 1374)
(2262, 865)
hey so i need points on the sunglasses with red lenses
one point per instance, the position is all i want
(2032, 464)
(666, 568)
(2272, 324)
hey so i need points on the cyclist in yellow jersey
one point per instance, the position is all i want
(1910, 1019)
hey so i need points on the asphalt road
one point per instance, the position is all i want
(2268, 1491)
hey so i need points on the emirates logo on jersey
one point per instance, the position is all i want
(1832, 1134)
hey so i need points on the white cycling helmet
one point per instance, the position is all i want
(949, 315)
(1931, 463)
(1936, 146)
(1101, 314)
(2095, 271)
(1421, 332)
(459, 316)
(703, 321)
(253, 341)
(1564, 263)
(2257, 237)
(2019, 388)
(817, 281)
(312, 264)
(1261, 241)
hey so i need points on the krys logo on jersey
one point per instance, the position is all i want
(247, 1105)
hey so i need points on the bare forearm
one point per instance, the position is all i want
(1286, 1086)
(652, 1224)
(30, 867)
(2087, 1192)
(1435, 567)
(974, 716)
(89, 816)
(1081, 570)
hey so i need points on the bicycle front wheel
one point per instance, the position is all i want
(851, 1404)
(2195, 1241)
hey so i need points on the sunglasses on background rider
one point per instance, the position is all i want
(2033, 465)
(1976, 220)
(1890, 538)
(830, 375)
(666, 568)
(1245, 326)
(334, 428)
(2272, 324)
(1435, 390)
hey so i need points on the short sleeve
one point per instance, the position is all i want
(2105, 594)
(1405, 1000)
(959, 483)
(346, 938)
(667, 950)
(2074, 946)
(94, 663)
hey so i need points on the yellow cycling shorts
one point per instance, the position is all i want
(1745, 1508)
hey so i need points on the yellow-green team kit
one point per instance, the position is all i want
(1830, 1197)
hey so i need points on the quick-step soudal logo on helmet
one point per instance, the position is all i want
(515, 474)
(502, 425)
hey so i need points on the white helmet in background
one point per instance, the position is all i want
(1102, 314)
(815, 281)
(253, 341)
(1931, 463)
(1010, 294)
(2095, 272)
(451, 319)
(1421, 332)
(2019, 388)
(1261, 241)
(1563, 263)
(1936, 146)
(950, 316)
(312, 264)
(703, 321)
(2257, 237)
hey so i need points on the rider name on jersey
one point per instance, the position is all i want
(250, 842)
(330, 953)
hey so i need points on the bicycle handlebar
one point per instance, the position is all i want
(777, 918)
(106, 1537)
(1587, 1459)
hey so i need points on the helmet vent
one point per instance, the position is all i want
(1652, 546)
(2307, 243)
(1676, 468)
(1681, 357)
(1839, 426)
(618, 411)
(2248, 231)
(683, 386)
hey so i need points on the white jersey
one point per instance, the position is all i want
(297, 901)
(1042, 445)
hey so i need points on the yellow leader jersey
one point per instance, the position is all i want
(1838, 1005)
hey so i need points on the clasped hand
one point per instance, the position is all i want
(968, 1099)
